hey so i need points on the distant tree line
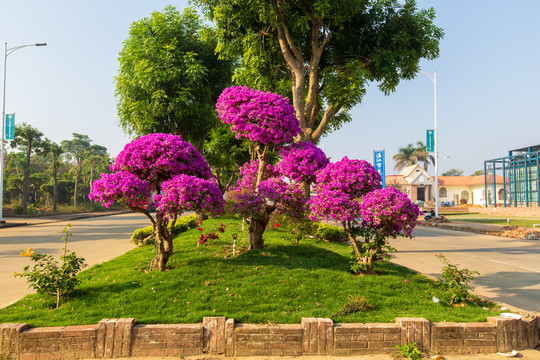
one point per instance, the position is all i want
(41, 173)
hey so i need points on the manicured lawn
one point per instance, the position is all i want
(499, 220)
(280, 284)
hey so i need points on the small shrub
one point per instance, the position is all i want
(330, 233)
(455, 281)
(49, 277)
(147, 235)
(463, 201)
(184, 224)
(410, 351)
(144, 236)
(355, 304)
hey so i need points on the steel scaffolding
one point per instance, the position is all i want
(519, 175)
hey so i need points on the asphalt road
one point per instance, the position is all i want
(509, 268)
(96, 239)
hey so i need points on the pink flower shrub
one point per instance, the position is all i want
(259, 116)
(300, 161)
(122, 187)
(158, 157)
(175, 171)
(186, 192)
(389, 212)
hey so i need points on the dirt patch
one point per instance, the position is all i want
(515, 232)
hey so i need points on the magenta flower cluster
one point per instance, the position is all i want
(288, 198)
(340, 187)
(159, 157)
(300, 161)
(122, 187)
(334, 205)
(248, 175)
(186, 192)
(389, 212)
(259, 116)
(353, 177)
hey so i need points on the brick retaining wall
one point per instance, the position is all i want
(115, 338)
(510, 210)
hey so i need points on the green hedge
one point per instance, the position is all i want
(331, 233)
(147, 236)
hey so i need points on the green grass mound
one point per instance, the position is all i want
(280, 284)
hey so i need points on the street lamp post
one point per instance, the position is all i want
(7, 52)
(435, 142)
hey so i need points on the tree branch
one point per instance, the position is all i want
(330, 111)
(145, 212)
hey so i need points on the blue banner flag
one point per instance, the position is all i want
(378, 162)
(10, 127)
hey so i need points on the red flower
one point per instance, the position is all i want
(276, 225)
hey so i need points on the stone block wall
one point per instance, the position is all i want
(121, 338)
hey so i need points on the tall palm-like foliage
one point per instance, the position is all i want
(406, 156)
(423, 155)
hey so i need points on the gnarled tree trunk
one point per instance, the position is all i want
(255, 232)
(366, 260)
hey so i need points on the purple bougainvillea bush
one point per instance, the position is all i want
(174, 171)
(259, 116)
(349, 193)
(268, 121)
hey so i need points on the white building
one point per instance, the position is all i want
(419, 186)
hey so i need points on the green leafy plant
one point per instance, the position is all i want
(410, 351)
(50, 277)
(147, 235)
(355, 304)
(454, 280)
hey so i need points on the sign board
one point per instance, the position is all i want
(378, 162)
(10, 127)
(430, 140)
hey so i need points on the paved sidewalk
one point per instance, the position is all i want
(37, 220)
(97, 239)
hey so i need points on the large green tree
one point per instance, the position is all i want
(78, 150)
(170, 76)
(324, 53)
(53, 154)
(28, 140)
(225, 155)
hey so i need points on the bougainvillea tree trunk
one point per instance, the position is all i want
(164, 245)
(256, 230)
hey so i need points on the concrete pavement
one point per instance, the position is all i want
(509, 268)
(97, 239)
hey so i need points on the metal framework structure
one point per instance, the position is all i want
(519, 176)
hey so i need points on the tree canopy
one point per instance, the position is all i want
(323, 54)
(169, 77)
(454, 172)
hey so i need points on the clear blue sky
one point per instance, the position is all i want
(488, 74)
